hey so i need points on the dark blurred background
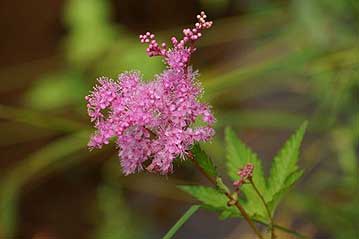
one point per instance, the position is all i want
(266, 66)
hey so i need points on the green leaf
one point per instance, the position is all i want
(238, 155)
(214, 200)
(181, 221)
(210, 197)
(284, 171)
(204, 161)
(225, 215)
(289, 182)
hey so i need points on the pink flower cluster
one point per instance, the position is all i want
(245, 174)
(178, 56)
(153, 123)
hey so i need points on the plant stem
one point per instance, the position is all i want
(229, 196)
(284, 229)
(181, 221)
(266, 207)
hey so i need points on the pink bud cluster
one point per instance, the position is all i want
(179, 55)
(245, 174)
(152, 123)
(153, 48)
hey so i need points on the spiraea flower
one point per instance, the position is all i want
(179, 55)
(153, 123)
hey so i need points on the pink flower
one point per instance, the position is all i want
(245, 174)
(153, 123)
(179, 55)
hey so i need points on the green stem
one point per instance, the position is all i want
(266, 207)
(230, 197)
(297, 234)
(284, 229)
(181, 221)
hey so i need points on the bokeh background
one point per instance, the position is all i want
(266, 66)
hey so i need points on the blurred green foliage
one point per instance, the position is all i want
(115, 219)
(301, 56)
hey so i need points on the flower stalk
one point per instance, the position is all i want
(229, 196)
(271, 227)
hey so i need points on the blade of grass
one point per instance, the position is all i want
(254, 119)
(39, 119)
(274, 120)
(181, 221)
(289, 62)
(16, 133)
(55, 155)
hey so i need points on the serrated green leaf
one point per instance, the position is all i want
(273, 203)
(204, 161)
(238, 155)
(215, 200)
(284, 171)
(211, 198)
